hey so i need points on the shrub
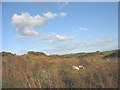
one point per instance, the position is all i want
(7, 53)
(36, 53)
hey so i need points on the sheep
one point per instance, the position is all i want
(81, 67)
(75, 67)
(78, 67)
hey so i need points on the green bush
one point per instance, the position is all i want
(36, 53)
(7, 53)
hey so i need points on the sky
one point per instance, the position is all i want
(59, 27)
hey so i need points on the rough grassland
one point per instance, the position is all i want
(41, 71)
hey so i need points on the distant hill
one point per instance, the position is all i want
(106, 54)
(78, 55)
(114, 54)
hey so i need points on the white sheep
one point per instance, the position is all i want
(81, 67)
(75, 67)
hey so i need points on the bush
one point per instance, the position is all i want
(36, 53)
(7, 53)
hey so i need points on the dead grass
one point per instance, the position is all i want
(51, 72)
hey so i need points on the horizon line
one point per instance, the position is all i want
(61, 54)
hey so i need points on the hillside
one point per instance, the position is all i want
(38, 70)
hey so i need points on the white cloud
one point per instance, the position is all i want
(26, 23)
(82, 29)
(52, 37)
(61, 37)
(62, 14)
(79, 30)
(50, 15)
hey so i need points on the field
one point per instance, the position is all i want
(37, 70)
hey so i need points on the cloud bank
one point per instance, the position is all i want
(52, 37)
(26, 24)
(89, 45)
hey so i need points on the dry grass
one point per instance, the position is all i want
(56, 72)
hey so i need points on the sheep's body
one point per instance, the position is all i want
(81, 67)
(75, 67)
(78, 67)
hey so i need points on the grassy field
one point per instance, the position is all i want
(37, 70)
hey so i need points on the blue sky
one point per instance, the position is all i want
(59, 28)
